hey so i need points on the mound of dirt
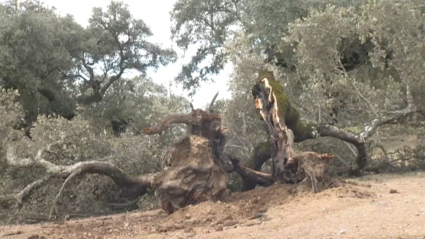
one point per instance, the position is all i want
(245, 209)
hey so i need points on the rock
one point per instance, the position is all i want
(187, 216)
(188, 229)
(192, 234)
(263, 210)
(209, 219)
(219, 228)
(257, 215)
(393, 191)
(230, 223)
(250, 224)
(36, 237)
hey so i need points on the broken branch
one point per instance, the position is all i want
(168, 121)
(212, 103)
(133, 186)
(260, 178)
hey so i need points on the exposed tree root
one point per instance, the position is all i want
(260, 178)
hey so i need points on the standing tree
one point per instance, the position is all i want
(55, 63)
(36, 45)
(115, 42)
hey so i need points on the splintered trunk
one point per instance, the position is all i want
(283, 127)
(198, 169)
(266, 103)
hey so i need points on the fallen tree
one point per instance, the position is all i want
(269, 95)
(199, 167)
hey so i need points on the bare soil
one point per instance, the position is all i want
(379, 206)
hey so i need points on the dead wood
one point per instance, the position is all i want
(197, 171)
(20, 197)
(131, 186)
(168, 121)
(260, 178)
(311, 164)
(198, 168)
(193, 176)
(212, 103)
(266, 102)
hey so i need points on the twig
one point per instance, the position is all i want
(351, 149)
(72, 176)
(212, 102)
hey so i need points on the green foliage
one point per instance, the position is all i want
(206, 25)
(11, 114)
(239, 113)
(211, 25)
(118, 42)
(54, 62)
(138, 101)
(323, 39)
(33, 51)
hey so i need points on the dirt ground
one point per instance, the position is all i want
(380, 206)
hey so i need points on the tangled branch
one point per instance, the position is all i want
(134, 186)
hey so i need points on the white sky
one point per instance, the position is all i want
(156, 15)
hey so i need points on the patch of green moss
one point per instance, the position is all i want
(283, 102)
(291, 116)
(354, 130)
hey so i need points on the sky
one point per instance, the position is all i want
(156, 14)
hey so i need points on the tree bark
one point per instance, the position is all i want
(260, 155)
(57, 105)
(253, 176)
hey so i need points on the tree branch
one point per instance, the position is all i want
(21, 196)
(168, 121)
(212, 103)
(133, 186)
(260, 178)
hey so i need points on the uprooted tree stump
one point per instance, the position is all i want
(198, 169)
(193, 176)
